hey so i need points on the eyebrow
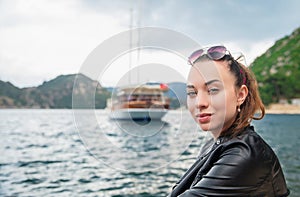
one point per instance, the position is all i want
(212, 81)
(190, 86)
(206, 83)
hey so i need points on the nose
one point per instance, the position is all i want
(202, 101)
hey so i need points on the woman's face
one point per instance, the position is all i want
(212, 96)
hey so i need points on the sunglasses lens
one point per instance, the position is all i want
(216, 52)
(195, 56)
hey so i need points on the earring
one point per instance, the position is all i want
(239, 109)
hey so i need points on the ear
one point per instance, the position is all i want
(242, 93)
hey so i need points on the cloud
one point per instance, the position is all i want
(41, 39)
(146, 65)
(48, 38)
(230, 19)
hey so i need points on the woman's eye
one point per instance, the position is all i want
(213, 90)
(192, 93)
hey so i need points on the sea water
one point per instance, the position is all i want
(84, 153)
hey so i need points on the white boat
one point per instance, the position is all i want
(143, 102)
(139, 114)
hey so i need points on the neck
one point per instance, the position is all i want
(216, 134)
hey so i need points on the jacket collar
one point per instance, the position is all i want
(224, 138)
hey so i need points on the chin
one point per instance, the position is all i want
(205, 127)
(211, 128)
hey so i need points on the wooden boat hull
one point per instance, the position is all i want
(138, 113)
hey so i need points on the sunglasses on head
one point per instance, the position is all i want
(214, 53)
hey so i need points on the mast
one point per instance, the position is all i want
(130, 43)
(137, 40)
(139, 37)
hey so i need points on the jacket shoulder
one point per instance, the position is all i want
(250, 149)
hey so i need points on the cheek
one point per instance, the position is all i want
(219, 101)
(224, 103)
(231, 104)
(191, 104)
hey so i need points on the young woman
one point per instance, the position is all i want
(223, 98)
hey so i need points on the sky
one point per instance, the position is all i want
(41, 39)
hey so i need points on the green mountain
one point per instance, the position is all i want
(278, 70)
(59, 93)
(9, 95)
(56, 93)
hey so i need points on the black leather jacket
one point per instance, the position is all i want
(241, 166)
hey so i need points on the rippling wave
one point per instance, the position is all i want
(43, 154)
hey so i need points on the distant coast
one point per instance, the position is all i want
(283, 109)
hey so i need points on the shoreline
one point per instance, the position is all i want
(283, 109)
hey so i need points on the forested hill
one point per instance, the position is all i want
(56, 93)
(278, 70)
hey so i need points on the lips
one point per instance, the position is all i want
(204, 117)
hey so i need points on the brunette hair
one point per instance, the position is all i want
(252, 103)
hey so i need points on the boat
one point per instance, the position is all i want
(142, 102)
